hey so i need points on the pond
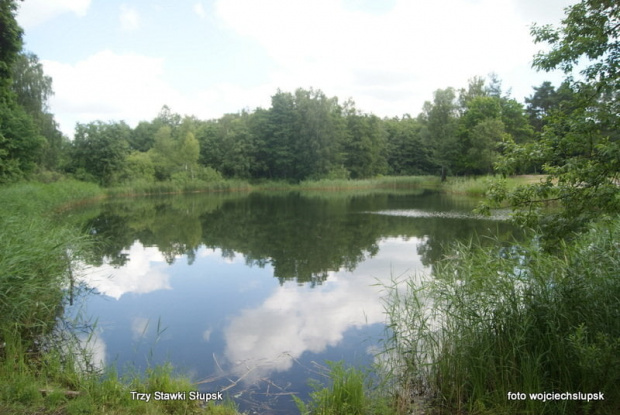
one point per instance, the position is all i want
(251, 294)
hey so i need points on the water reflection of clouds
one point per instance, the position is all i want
(296, 319)
(91, 350)
(139, 327)
(143, 273)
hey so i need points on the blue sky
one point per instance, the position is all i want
(124, 60)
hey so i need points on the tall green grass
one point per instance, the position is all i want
(514, 319)
(169, 187)
(30, 199)
(138, 188)
(349, 391)
(382, 182)
(40, 373)
(470, 186)
(35, 253)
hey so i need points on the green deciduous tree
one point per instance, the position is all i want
(30, 84)
(407, 153)
(188, 152)
(162, 153)
(32, 89)
(439, 119)
(139, 166)
(488, 120)
(20, 141)
(300, 136)
(365, 146)
(319, 132)
(99, 151)
(277, 149)
(10, 42)
(579, 147)
(236, 145)
(175, 153)
(481, 130)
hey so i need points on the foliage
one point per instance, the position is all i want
(10, 42)
(20, 142)
(440, 126)
(24, 89)
(513, 319)
(100, 150)
(407, 153)
(32, 89)
(303, 135)
(30, 83)
(347, 393)
(300, 136)
(545, 100)
(139, 166)
(365, 146)
(579, 148)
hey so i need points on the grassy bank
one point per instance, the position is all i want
(170, 187)
(52, 385)
(471, 186)
(497, 325)
(39, 376)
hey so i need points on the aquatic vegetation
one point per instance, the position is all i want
(37, 374)
(497, 327)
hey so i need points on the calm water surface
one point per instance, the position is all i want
(252, 293)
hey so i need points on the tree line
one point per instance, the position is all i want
(303, 135)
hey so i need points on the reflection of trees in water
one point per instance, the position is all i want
(171, 225)
(440, 233)
(303, 237)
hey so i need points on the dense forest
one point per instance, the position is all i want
(304, 134)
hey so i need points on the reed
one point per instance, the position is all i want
(349, 391)
(513, 320)
(171, 187)
(36, 253)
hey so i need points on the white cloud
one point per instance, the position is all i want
(132, 87)
(200, 11)
(34, 12)
(143, 273)
(109, 86)
(129, 18)
(389, 62)
(139, 327)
